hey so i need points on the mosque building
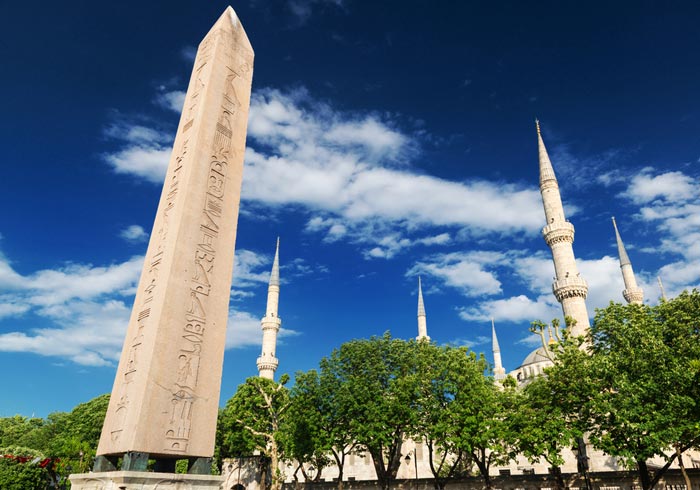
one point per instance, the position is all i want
(570, 290)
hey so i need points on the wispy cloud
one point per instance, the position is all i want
(244, 331)
(302, 10)
(670, 201)
(352, 173)
(134, 234)
(81, 311)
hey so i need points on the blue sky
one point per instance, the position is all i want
(386, 140)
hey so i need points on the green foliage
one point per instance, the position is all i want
(70, 437)
(314, 427)
(446, 376)
(252, 421)
(22, 476)
(633, 387)
(378, 384)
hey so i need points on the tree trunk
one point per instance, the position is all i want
(644, 474)
(274, 463)
(682, 467)
(340, 476)
(559, 479)
(263, 472)
(484, 470)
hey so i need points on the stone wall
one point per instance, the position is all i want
(619, 480)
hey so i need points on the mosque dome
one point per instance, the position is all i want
(537, 355)
(533, 365)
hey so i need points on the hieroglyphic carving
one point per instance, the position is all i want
(150, 281)
(183, 390)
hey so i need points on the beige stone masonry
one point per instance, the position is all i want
(165, 397)
(568, 287)
(139, 480)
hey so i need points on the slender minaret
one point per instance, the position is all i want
(569, 287)
(632, 293)
(422, 323)
(498, 372)
(661, 288)
(267, 362)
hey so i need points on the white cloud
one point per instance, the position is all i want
(147, 162)
(514, 309)
(81, 311)
(173, 100)
(350, 171)
(250, 268)
(481, 273)
(670, 201)
(244, 331)
(341, 167)
(464, 271)
(134, 234)
(470, 343)
(532, 340)
(669, 186)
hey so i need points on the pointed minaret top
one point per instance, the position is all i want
(421, 306)
(275, 274)
(624, 258)
(494, 339)
(661, 287)
(546, 169)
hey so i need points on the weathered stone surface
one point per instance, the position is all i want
(139, 480)
(165, 397)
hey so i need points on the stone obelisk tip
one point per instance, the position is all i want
(229, 22)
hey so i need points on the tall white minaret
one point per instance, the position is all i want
(632, 293)
(499, 373)
(661, 288)
(422, 323)
(267, 362)
(569, 287)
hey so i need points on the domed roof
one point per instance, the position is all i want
(536, 356)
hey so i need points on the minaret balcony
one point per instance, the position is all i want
(271, 322)
(267, 362)
(633, 295)
(570, 287)
(559, 231)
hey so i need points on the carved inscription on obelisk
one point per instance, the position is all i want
(166, 393)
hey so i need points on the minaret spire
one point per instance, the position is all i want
(569, 287)
(422, 323)
(271, 322)
(632, 293)
(498, 372)
(661, 287)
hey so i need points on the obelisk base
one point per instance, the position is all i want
(142, 480)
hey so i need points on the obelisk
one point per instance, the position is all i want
(165, 397)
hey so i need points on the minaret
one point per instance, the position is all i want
(569, 287)
(267, 362)
(632, 293)
(498, 372)
(422, 324)
(661, 288)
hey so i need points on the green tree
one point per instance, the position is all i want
(482, 417)
(252, 421)
(635, 385)
(21, 470)
(446, 374)
(379, 383)
(541, 427)
(71, 437)
(319, 422)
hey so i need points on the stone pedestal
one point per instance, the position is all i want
(141, 480)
